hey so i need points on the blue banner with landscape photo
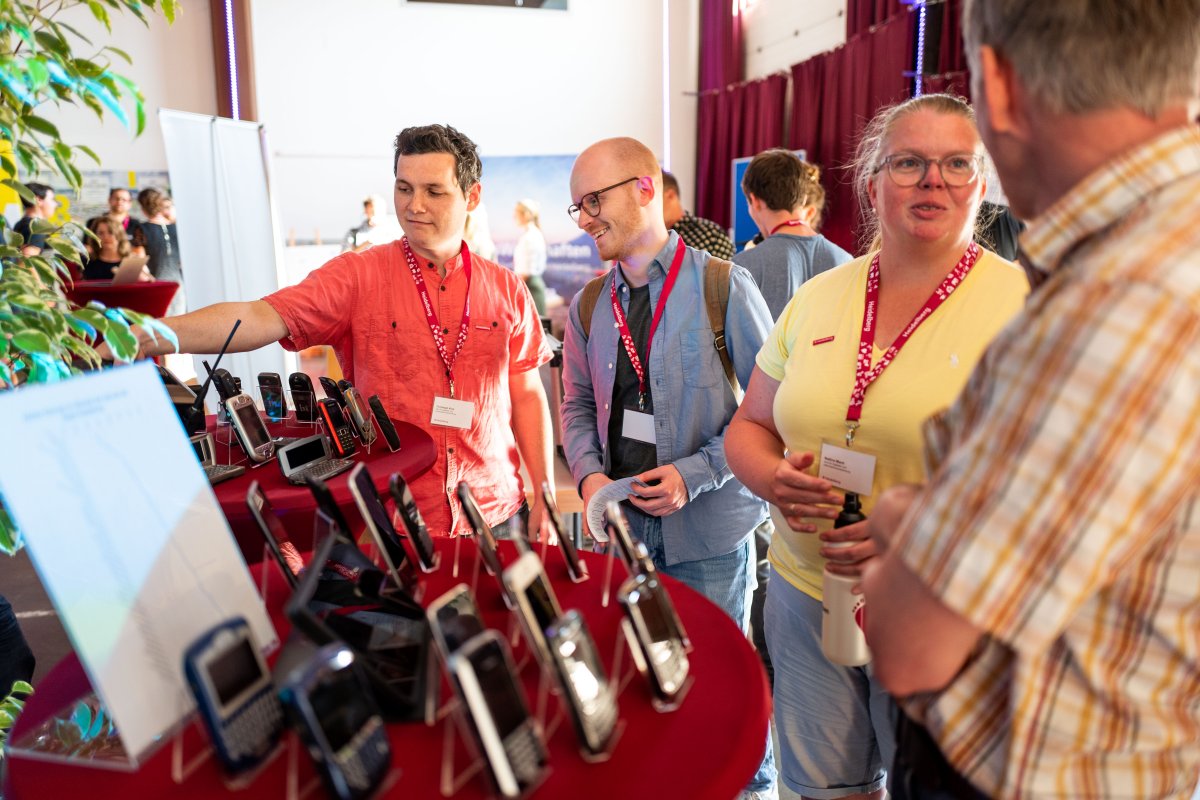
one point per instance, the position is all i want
(571, 256)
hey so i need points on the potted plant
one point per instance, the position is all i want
(46, 63)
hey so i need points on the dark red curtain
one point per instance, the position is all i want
(720, 44)
(734, 123)
(862, 14)
(720, 68)
(951, 73)
(835, 98)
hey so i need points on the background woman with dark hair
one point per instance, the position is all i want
(162, 244)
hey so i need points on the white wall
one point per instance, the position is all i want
(780, 33)
(334, 88)
(172, 65)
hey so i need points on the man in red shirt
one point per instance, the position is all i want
(398, 317)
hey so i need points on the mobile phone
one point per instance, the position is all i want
(335, 424)
(309, 455)
(509, 739)
(484, 538)
(274, 401)
(202, 446)
(385, 423)
(414, 523)
(303, 397)
(234, 694)
(274, 534)
(379, 525)
(330, 705)
(591, 698)
(653, 631)
(454, 619)
(249, 427)
(575, 567)
(618, 530)
(326, 503)
(332, 391)
(537, 605)
(360, 416)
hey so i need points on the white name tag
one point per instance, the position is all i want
(637, 425)
(849, 470)
(451, 413)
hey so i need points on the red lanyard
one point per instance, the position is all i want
(791, 223)
(623, 324)
(439, 337)
(864, 374)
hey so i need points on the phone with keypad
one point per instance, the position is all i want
(337, 427)
(234, 694)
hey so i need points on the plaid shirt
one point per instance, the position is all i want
(1061, 518)
(704, 234)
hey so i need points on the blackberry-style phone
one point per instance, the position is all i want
(379, 524)
(274, 401)
(330, 705)
(509, 739)
(234, 694)
(658, 650)
(454, 619)
(385, 423)
(303, 397)
(360, 415)
(332, 391)
(537, 605)
(484, 538)
(414, 523)
(336, 426)
(591, 698)
(249, 427)
(575, 567)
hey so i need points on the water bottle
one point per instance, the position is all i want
(844, 614)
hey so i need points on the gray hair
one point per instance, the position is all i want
(1085, 55)
(869, 154)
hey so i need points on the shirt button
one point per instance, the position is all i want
(606, 406)
(449, 449)
(610, 365)
(441, 288)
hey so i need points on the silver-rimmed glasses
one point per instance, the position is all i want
(909, 169)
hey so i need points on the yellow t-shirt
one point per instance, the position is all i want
(812, 353)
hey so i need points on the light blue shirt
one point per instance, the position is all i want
(693, 402)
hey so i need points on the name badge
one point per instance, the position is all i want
(451, 413)
(638, 426)
(848, 470)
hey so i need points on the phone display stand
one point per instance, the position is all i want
(662, 707)
(227, 449)
(402, 529)
(457, 730)
(551, 726)
(606, 591)
(185, 763)
(262, 401)
(293, 418)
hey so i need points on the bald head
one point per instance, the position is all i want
(624, 182)
(630, 155)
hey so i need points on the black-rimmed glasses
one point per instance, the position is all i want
(909, 169)
(590, 202)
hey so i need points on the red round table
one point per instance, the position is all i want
(295, 504)
(707, 748)
(148, 297)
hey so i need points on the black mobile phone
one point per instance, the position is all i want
(385, 423)
(509, 739)
(454, 619)
(653, 630)
(330, 705)
(274, 401)
(414, 523)
(379, 525)
(537, 606)
(332, 391)
(234, 694)
(274, 534)
(303, 397)
(336, 426)
(484, 538)
(575, 567)
(591, 698)
(326, 503)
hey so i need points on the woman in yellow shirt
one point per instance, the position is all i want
(932, 300)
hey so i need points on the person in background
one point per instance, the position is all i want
(1036, 607)
(397, 316)
(119, 202)
(646, 394)
(478, 234)
(697, 232)
(42, 207)
(786, 200)
(162, 244)
(922, 305)
(529, 256)
(106, 250)
(377, 226)
(16, 659)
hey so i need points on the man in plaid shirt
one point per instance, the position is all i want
(1036, 606)
(696, 232)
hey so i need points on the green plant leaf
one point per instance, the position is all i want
(21, 687)
(123, 343)
(120, 53)
(39, 76)
(20, 188)
(40, 125)
(100, 13)
(89, 152)
(33, 342)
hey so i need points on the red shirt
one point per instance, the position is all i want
(366, 306)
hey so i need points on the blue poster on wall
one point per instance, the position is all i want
(571, 256)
